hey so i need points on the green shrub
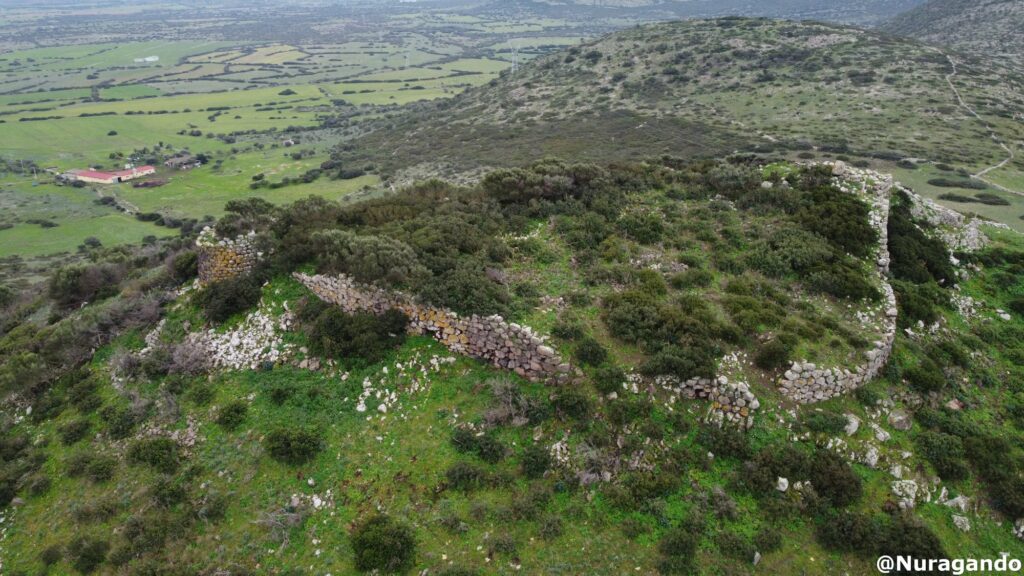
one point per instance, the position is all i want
(925, 377)
(692, 278)
(677, 550)
(776, 353)
(158, 452)
(833, 479)
(101, 469)
(232, 415)
(184, 266)
(535, 461)
(74, 431)
(848, 531)
(225, 298)
(292, 446)
(724, 442)
(76, 285)
(768, 540)
(608, 379)
(86, 553)
(357, 336)
(77, 464)
(572, 403)
(589, 352)
(825, 422)
(367, 258)
(945, 452)
(383, 544)
(732, 545)
(51, 555)
(486, 446)
(465, 477)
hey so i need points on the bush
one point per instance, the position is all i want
(383, 544)
(945, 452)
(925, 377)
(572, 403)
(589, 352)
(535, 461)
(833, 479)
(51, 555)
(222, 300)
(293, 447)
(465, 477)
(847, 531)
(677, 549)
(74, 431)
(357, 336)
(101, 469)
(486, 446)
(76, 285)
(825, 422)
(157, 452)
(86, 553)
(371, 259)
(232, 414)
(724, 441)
(608, 379)
(775, 353)
(184, 266)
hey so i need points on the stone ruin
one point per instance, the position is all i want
(731, 402)
(223, 259)
(805, 382)
(502, 344)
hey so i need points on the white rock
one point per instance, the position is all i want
(782, 484)
(962, 523)
(852, 424)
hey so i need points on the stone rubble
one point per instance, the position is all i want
(258, 339)
(503, 344)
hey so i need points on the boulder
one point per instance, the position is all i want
(900, 420)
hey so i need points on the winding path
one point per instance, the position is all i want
(991, 131)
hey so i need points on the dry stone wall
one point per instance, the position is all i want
(222, 259)
(805, 382)
(503, 344)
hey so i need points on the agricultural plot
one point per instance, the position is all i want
(42, 219)
(206, 190)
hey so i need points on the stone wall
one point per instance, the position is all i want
(503, 344)
(805, 382)
(221, 259)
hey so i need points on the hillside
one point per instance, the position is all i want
(988, 27)
(851, 12)
(654, 368)
(701, 88)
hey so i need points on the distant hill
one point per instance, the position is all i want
(852, 11)
(991, 27)
(703, 88)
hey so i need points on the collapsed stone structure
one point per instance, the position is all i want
(731, 402)
(502, 344)
(805, 382)
(222, 259)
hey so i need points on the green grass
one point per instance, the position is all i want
(29, 240)
(205, 191)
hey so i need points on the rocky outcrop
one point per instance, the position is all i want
(807, 383)
(222, 259)
(503, 344)
(959, 232)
